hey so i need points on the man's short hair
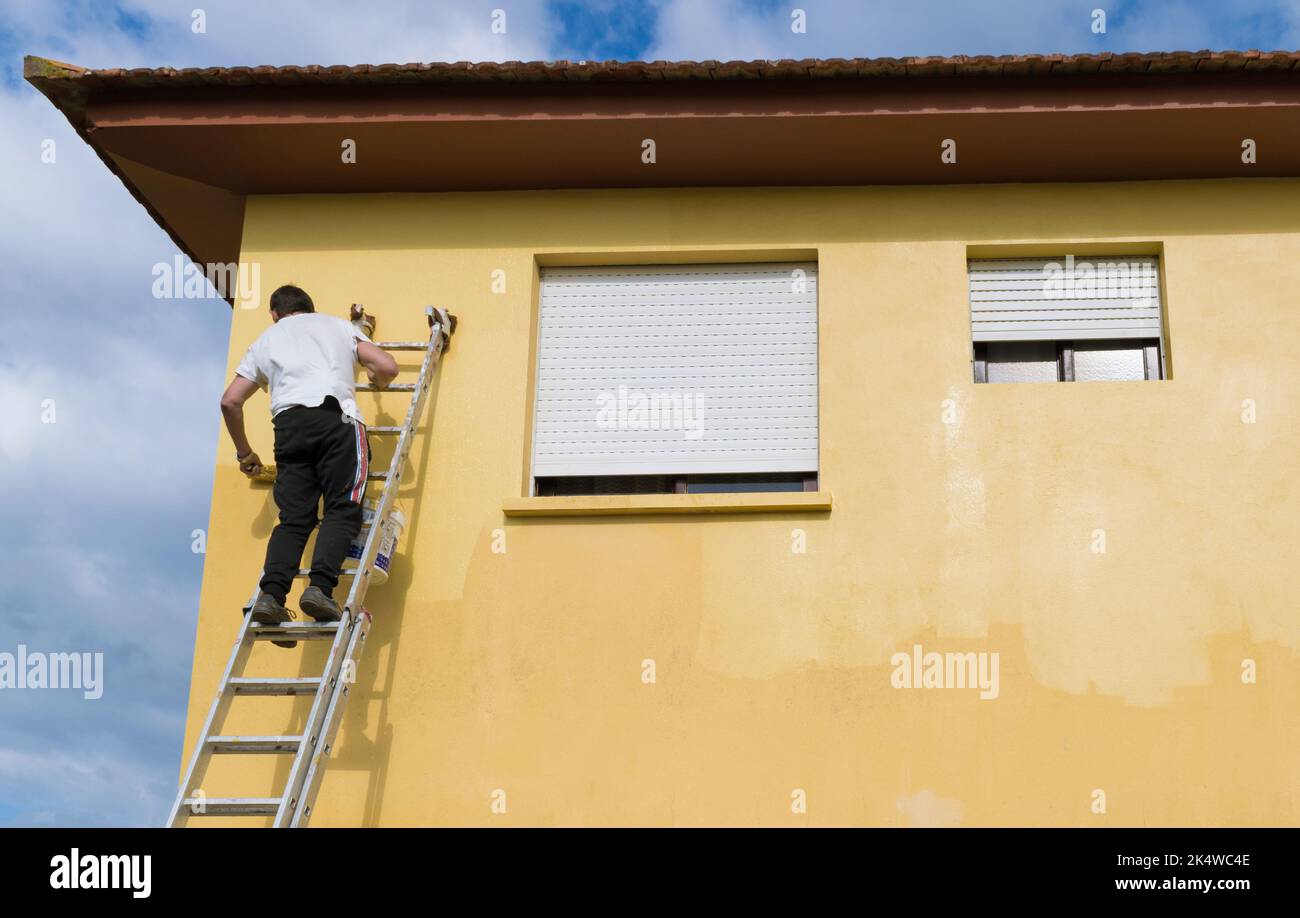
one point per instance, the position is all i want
(290, 299)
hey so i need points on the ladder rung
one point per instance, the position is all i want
(384, 430)
(245, 685)
(255, 745)
(402, 345)
(294, 631)
(344, 572)
(231, 806)
(377, 476)
(391, 387)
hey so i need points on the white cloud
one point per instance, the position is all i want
(250, 32)
(129, 417)
(730, 29)
(86, 574)
(88, 790)
(841, 28)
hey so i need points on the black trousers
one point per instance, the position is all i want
(321, 457)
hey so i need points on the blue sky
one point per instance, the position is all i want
(101, 504)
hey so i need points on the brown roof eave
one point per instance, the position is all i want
(59, 82)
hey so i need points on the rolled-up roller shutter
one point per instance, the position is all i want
(679, 369)
(1036, 299)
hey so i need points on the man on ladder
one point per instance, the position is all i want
(308, 361)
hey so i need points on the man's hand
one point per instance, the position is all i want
(250, 465)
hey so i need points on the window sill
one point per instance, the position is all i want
(634, 504)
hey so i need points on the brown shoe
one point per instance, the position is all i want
(270, 611)
(318, 605)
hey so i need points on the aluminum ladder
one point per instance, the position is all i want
(311, 749)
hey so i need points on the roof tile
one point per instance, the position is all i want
(1105, 62)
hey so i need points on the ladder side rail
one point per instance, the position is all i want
(201, 754)
(333, 718)
(329, 677)
(379, 521)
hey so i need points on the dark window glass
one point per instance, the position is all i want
(721, 484)
(582, 485)
(587, 485)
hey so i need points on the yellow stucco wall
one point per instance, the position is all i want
(522, 670)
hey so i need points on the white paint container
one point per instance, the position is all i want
(387, 540)
(388, 545)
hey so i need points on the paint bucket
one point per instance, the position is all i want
(388, 545)
(387, 540)
(358, 545)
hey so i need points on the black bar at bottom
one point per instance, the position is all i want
(809, 867)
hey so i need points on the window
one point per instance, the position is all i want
(676, 379)
(1066, 319)
(1066, 361)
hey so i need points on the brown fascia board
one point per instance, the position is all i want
(495, 136)
(218, 106)
(433, 127)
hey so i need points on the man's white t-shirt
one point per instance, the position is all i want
(303, 359)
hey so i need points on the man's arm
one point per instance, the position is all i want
(380, 365)
(232, 409)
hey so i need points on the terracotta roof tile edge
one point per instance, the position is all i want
(41, 69)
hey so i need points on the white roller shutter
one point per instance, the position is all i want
(1104, 296)
(660, 369)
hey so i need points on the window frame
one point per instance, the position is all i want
(1151, 358)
